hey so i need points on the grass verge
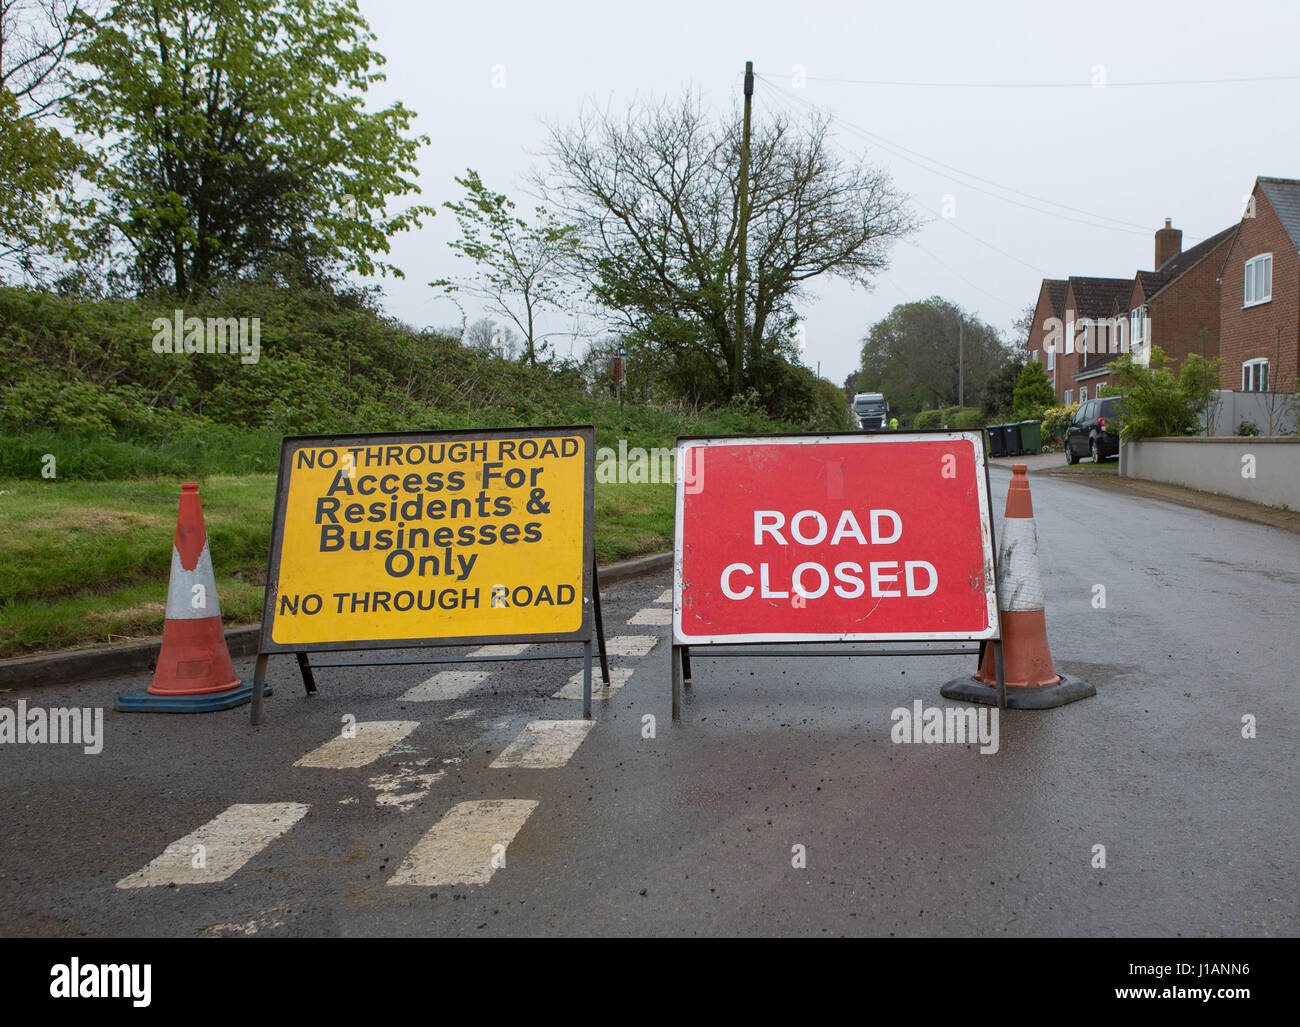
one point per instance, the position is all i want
(86, 562)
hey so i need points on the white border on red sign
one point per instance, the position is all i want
(976, 440)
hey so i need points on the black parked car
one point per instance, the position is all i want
(1094, 431)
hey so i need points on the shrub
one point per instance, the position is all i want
(1247, 428)
(1055, 422)
(1155, 403)
(1033, 393)
(967, 420)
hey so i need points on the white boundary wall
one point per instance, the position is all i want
(1235, 407)
(1221, 465)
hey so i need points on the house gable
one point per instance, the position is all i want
(1266, 330)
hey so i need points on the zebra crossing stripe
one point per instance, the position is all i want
(446, 684)
(467, 846)
(573, 688)
(630, 645)
(652, 615)
(488, 651)
(370, 740)
(220, 847)
(666, 596)
(543, 744)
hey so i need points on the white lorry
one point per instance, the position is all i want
(871, 410)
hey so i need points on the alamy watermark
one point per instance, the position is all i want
(1096, 335)
(639, 466)
(183, 335)
(75, 979)
(954, 725)
(58, 726)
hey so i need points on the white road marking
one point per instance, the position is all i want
(406, 785)
(220, 847)
(488, 651)
(630, 645)
(573, 689)
(467, 845)
(544, 743)
(666, 596)
(373, 738)
(655, 615)
(446, 684)
(460, 714)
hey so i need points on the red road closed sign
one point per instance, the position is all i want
(833, 538)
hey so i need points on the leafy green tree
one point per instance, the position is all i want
(521, 267)
(1155, 403)
(911, 355)
(1033, 393)
(38, 168)
(41, 216)
(238, 139)
(998, 396)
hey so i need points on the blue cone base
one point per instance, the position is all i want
(146, 702)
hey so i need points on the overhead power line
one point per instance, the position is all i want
(921, 160)
(1152, 83)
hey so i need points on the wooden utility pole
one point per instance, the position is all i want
(961, 363)
(736, 375)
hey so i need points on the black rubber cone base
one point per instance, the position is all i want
(1044, 697)
(146, 702)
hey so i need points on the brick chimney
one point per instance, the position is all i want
(1169, 243)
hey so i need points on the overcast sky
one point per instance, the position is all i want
(1123, 157)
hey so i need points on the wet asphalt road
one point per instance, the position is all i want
(691, 832)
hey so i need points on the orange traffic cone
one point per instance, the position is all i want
(194, 672)
(1031, 682)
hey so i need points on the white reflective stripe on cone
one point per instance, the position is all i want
(1020, 587)
(192, 595)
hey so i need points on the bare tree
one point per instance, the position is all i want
(655, 197)
(1281, 402)
(491, 336)
(1021, 328)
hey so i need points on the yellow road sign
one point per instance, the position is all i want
(431, 538)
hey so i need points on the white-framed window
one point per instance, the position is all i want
(1083, 393)
(1259, 280)
(1051, 359)
(1068, 400)
(1254, 375)
(1138, 326)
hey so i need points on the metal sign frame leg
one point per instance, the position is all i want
(308, 678)
(675, 658)
(600, 626)
(586, 680)
(259, 684)
(1002, 681)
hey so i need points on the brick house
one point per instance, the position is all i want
(1090, 321)
(1092, 309)
(1176, 307)
(1259, 290)
(1047, 314)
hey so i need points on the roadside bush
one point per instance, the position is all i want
(1155, 403)
(1247, 428)
(966, 420)
(1055, 421)
(1033, 393)
(928, 419)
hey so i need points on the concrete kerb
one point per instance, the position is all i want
(83, 664)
